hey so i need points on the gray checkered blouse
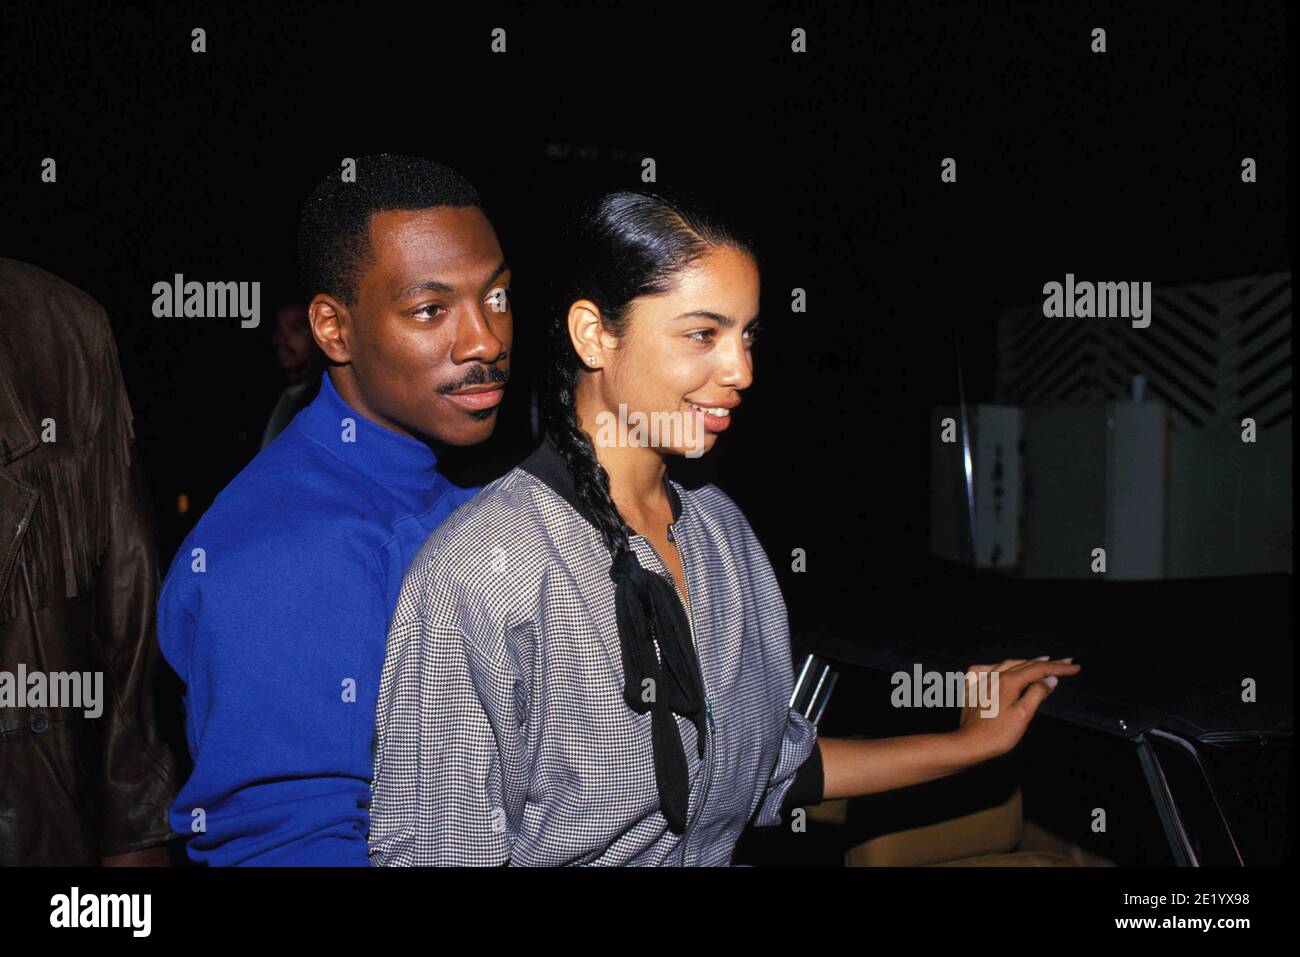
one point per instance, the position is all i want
(502, 734)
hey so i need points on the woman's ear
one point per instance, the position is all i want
(585, 330)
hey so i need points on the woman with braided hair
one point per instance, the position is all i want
(589, 663)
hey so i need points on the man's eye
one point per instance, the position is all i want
(499, 299)
(431, 311)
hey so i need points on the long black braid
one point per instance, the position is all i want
(591, 481)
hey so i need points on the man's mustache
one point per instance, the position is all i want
(478, 375)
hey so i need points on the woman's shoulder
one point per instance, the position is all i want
(720, 521)
(504, 515)
(506, 506)
(716, 509)
(712, 502)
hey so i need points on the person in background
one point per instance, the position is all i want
(299, 360)
(85, 781)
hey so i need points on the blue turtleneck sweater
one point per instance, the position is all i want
(275, 614)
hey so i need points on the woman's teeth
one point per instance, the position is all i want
(721, 413)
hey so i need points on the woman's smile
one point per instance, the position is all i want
(716, 418)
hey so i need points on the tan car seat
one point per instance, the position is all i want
(985, 838)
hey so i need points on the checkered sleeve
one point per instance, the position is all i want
(797, 775)
(444, 694)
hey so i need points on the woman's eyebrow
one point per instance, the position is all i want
(725, 321)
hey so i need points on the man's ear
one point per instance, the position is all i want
(331, 326)
(585, 330)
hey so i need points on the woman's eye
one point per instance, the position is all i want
(751, 334)
(701, 335)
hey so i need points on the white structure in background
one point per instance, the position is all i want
(1131, 440)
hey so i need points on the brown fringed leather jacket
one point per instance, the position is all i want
(78, 588)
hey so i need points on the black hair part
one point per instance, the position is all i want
(334, 228)
(620, 247)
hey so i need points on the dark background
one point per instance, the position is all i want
(1123, 165)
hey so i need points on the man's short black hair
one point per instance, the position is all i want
(334, 229)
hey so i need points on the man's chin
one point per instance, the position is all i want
(475, 429)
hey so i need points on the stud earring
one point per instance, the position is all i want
(591, 360)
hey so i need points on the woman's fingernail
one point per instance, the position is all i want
(1042, 658)
(1051, 681)
(1068, 660)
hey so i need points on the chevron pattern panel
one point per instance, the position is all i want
(1214, 353)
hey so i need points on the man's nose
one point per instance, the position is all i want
(477, 340)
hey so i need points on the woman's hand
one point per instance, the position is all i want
(1013, 693)
(853, 767)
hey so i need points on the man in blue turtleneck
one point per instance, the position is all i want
(275, 611)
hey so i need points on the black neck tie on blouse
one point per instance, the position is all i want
(648, 611)
(664, 684)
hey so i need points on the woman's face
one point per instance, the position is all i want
(686, 353)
